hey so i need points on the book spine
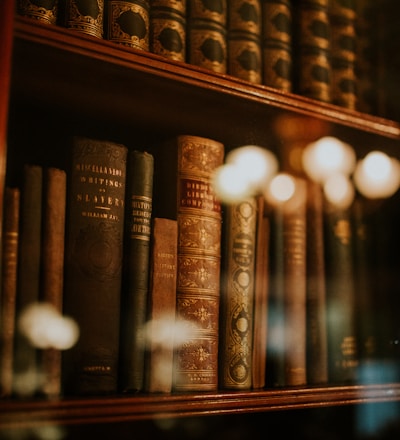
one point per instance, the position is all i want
(341, 324)
(317, 355)
(313, 49)
(41, 10)
(207, 34)
(127, 22)
(139, 196)
(54, 207)
(342, 22)
(86, 16)
(93, 264)
(244, 40)
(9, 261)
(160, 334)
(237, 296)
(168, 29)
(277, 44)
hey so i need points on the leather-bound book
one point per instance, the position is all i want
(139, 195)
(127, 22)
(86, 16)
(9, 262)
(45, 11)
(160, 328)
(244, 40)
(168, 29)
(277, 44)
(53, 243)
(207, 34)
(93, 264)
(343, 51)
(237, 294)
(183, 191)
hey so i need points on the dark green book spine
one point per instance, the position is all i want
(93, 264)
(42, 10)
(136, 276)
(86, 16)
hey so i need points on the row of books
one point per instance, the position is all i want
(321, 49)
(174, 291)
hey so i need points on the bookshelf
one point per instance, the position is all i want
(62, 81)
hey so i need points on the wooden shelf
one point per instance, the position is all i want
(26, 413)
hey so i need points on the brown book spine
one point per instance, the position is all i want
(244, 40)
(86, 16)
(9, 261)
(162, 304)
(277, 44)
(343, 52)
(54, 208)
(93, 264)
(317, 355)
(207, 34)
(183, 191)
(168, 29)
(139, 195)
(237, 295)
(313, 49)
(127, 22)
(42, 10)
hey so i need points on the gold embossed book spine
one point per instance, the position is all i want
(86, 16)
(183, 191)
(45, 11)
(237, 295)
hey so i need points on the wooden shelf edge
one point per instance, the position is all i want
(68, 411)
(184, 73)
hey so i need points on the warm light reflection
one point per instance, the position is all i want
(339, 191)
(45, 327)
(230, 185)
(377, 175)
(328, 156)
(281, 188)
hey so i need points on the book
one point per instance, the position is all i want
(127, 22)
(26, 372)
(277, 34)
(93, 264)
(183, 191)
(343, 52)
(262, 273)
(340, 295)
(45, 11)
(139, 195)
(317, 354)
(237, 294)
(160, 328)
(9, 261)
(244, 40)
(168, 29)
(312, 62)
(86, 16)
(52, 274)
(207, 34)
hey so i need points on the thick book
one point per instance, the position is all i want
(183, 191)
(86, 16)
(127, 22)
(237, 295)
(168, 29)
(45, 11)
(244, 40)
(9, 262)
(52, 258)
(161, 325)
(138, 212)
(93, 264)
(28, 276)
(207, 34)
(277, 41)
(343, 53)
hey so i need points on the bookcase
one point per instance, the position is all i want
(62, 83)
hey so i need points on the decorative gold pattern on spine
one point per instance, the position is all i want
(45, 11)
(86, 16)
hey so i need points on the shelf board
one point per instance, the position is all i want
(74, 411)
